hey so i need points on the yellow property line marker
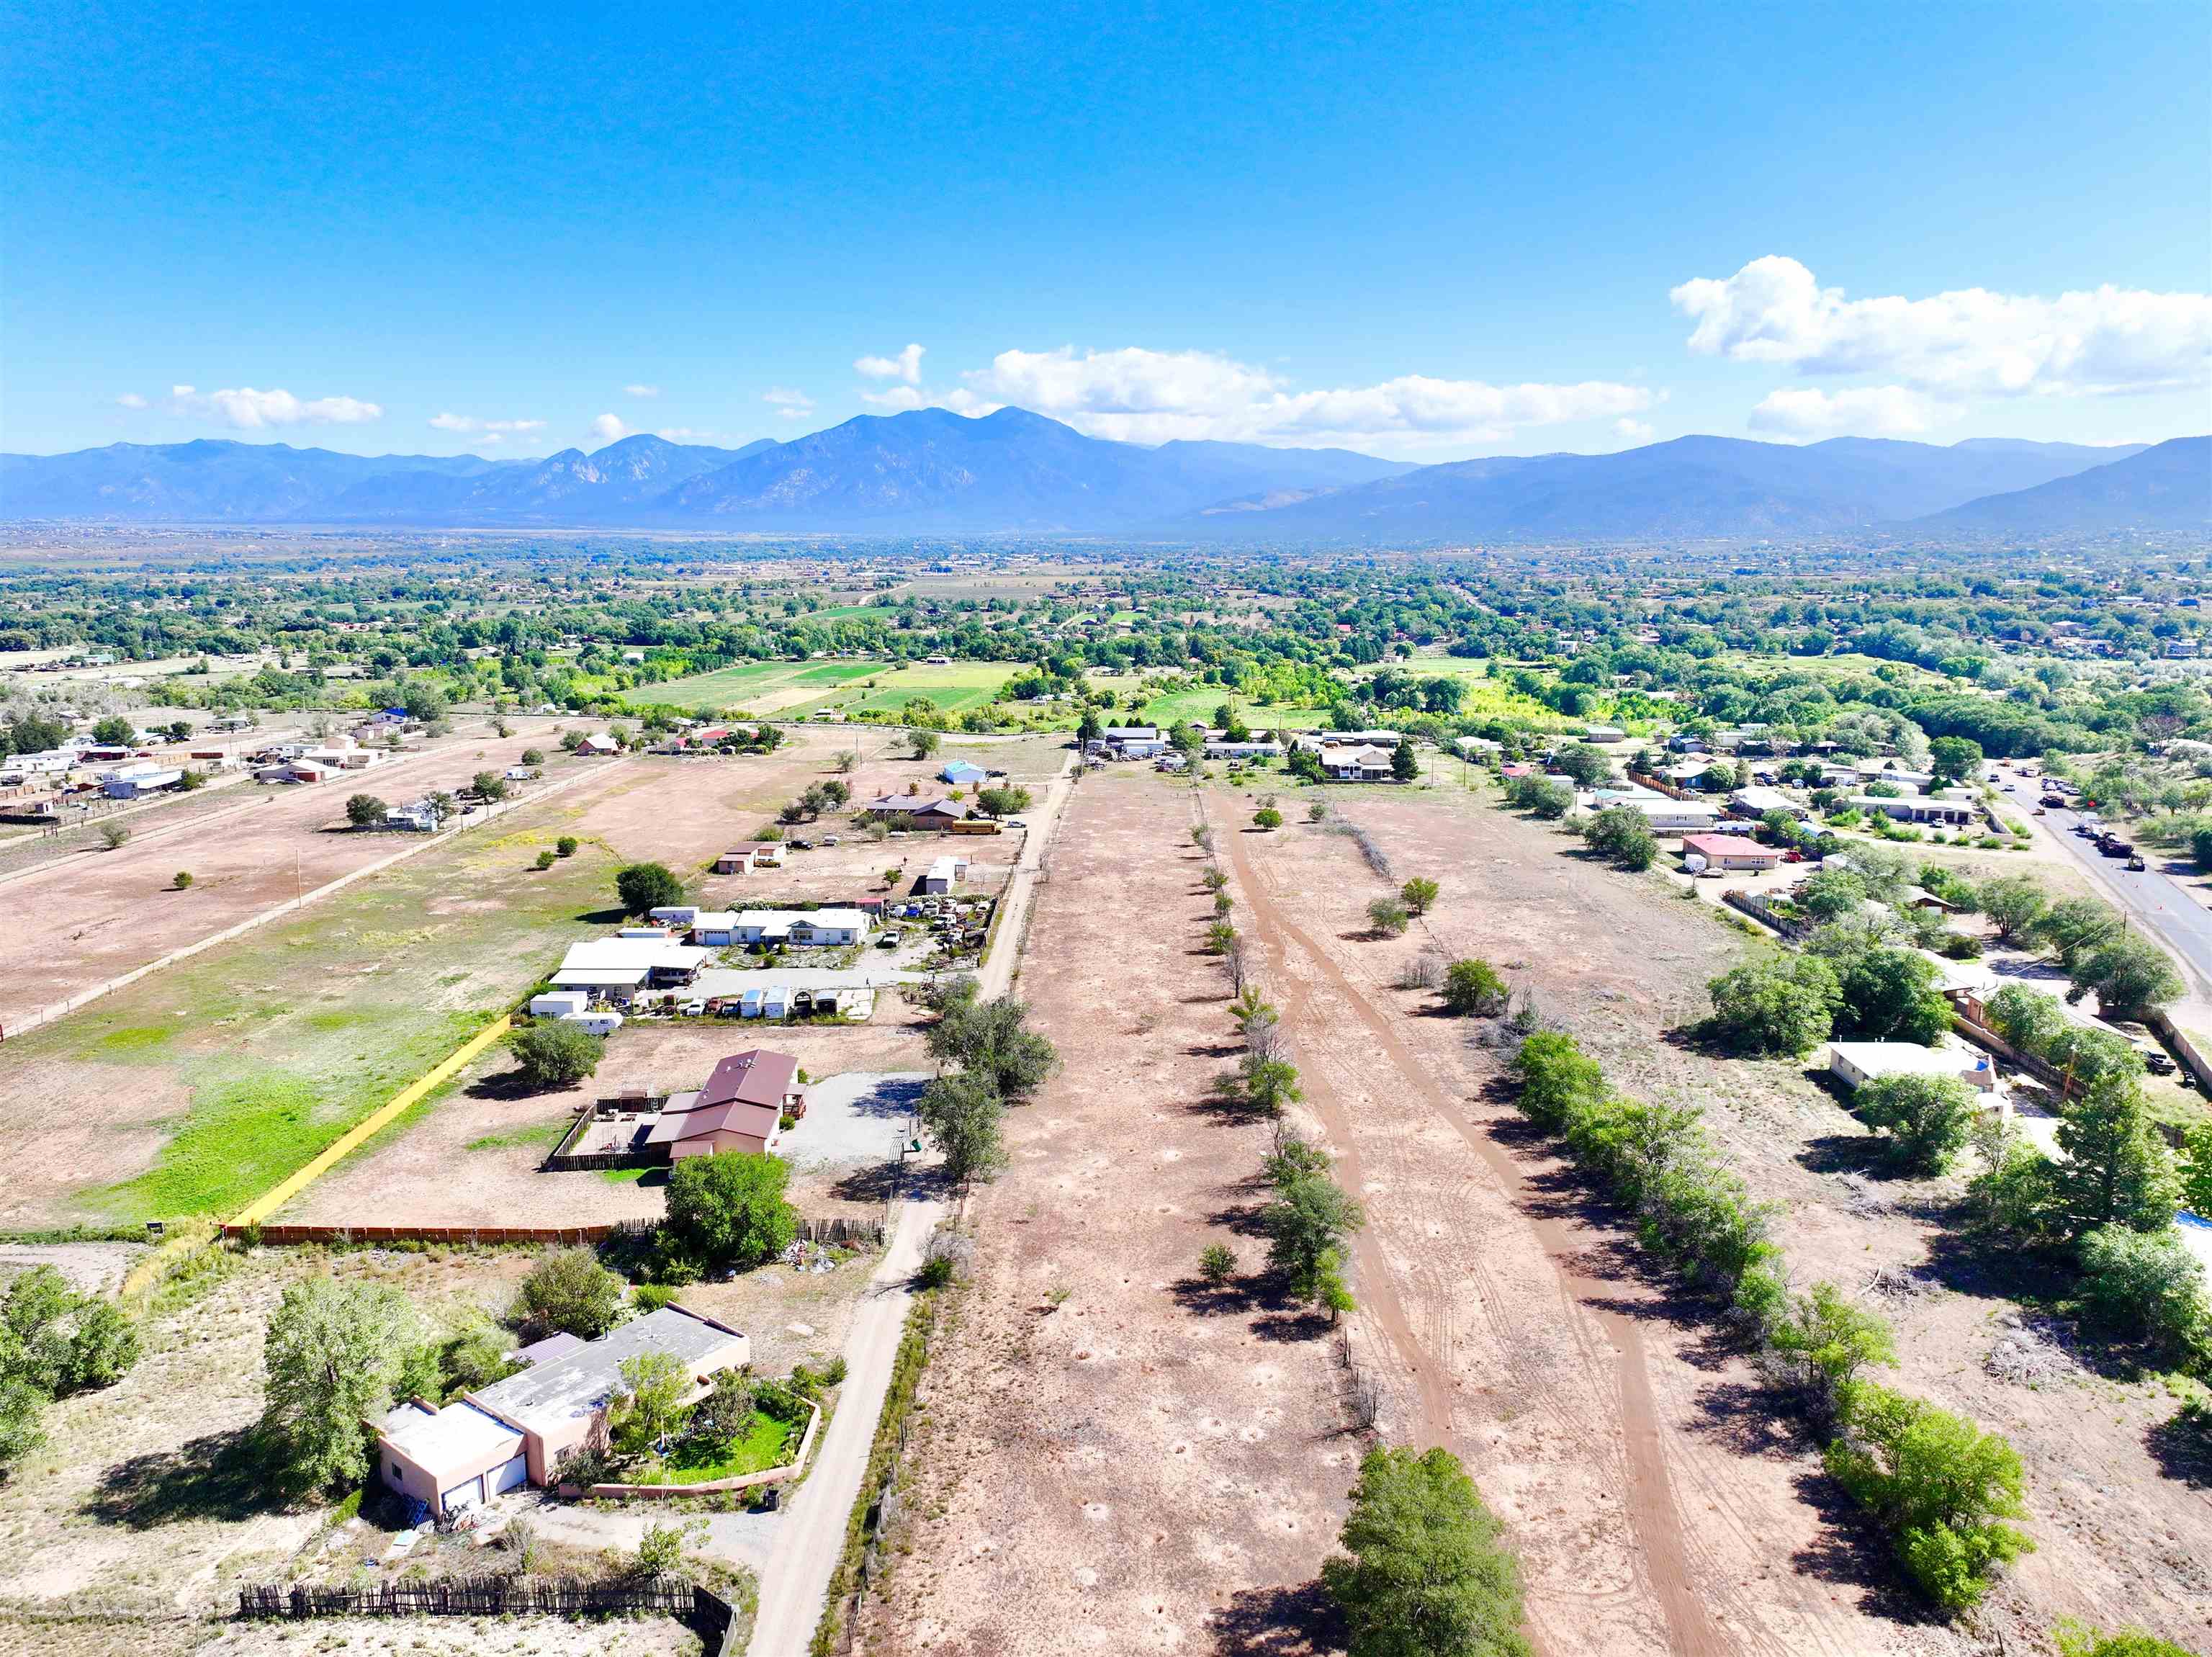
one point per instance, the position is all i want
(266, 1204)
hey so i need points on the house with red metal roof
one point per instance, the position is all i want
(741, 1108)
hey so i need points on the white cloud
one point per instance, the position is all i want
(789, 403)
(640, 391)
(1808, 413)
(899, 398)
(1137, 395)
(494, 429)
(131, 399)
(906, 366)
(249, 410)
(1632, 431)
(1967, 343)
(608, 428)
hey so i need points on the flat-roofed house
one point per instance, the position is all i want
(1730, 852)
(517, 1430)
(619, 967)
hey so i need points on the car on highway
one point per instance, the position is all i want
(2136, 865)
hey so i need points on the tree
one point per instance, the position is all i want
(2015, 905)
(993, 1038)
(962, 1112)
(1002, 801)
(921, 742)
(335, 1353)
(1387, 915)
(1474, 988)
(650, 1405)
(644, 888)
(1926, 1116)
(114, 836)
(1829, 895)
(1823, 1341)
(114, 732)
(1269, 1083)
(565, 846)
(1267, 818)
(1539, 796)
(2146, 1286)
(534, 756)
(2114, 1169)
(1784, 1004)
(1420, 895)
(488, 785)
(1405, 763)
(1424, 1570)
(728, 1209)
(1587, 766)
(366, 811)
(1941, 1486)
(2075, 926)
(570, 1293)
(2027, 1019)
(2197, 1171)
(1089, 727)
(555, 1052)
(1623, 836)
(29, 732)
(2129, 976)
(23, 1409)
(2079, 1640)
(1308, 1222)
(1953, 757)
(1890, 994)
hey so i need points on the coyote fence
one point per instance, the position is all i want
(487, 1596)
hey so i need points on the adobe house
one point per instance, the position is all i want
(516, 1431)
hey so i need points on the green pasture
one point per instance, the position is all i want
(283, 1039)
(796, 689)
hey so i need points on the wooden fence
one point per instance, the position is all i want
(489, 1596)
(843, 1230)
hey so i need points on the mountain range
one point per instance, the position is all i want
(929, 472)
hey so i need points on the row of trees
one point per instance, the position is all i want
(1943, 1491)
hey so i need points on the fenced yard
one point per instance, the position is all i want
(490, 1596)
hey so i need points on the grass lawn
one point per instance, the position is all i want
(1182, 707)
(797, 688)
(766, 1443)
(271, 1047)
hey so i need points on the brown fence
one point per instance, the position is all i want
(841, 1229)
(489, 1596)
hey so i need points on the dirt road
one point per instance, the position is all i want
(797, 1577)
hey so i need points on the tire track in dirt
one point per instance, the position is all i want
(1655, 1518)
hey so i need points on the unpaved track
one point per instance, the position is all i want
(1653, 1514)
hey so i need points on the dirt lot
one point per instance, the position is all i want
(473, 1157)
(89, 915)
(198, 1087)
(1111, 1457)
(1730, 1539)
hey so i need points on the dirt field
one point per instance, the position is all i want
(1721, 1499)
(91, 914)
(473, 1157)
(1658, 1503)
(200, 1086)
(1111, 1458)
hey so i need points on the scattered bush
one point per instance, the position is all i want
(1474, 988)
(182, 880)
(1217, 1264)
(1388, 917)
(1424, 1571)
(565, 846)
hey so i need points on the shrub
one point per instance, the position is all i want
(1623, 836)
(545, 859)
(727, 1210)
(182, 880)
(644, 888)
(1941, 1488)
(1821, 1342)
(1220, 936)
(366, 811)
(1926, 1116)
(114, 836)
(1267, 818)
(1473, 988)
(1317, 810)
(1539, 796)
(565, 846)
(1418, 895)
(1784, 1004)
(1217, 1264)
(556, 1053)
(1388, 917)
(660, 1548)
(568, 1292)
(2079, 1640)
(1424, 1570)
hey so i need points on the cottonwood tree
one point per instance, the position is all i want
(2015, 903)
(725, 1211)
(992, 1039)
(1927, 1117)
(334, 1353)
(962, 1112)
(1784, 1004)
(570, 1292)
(366, 811)
(556, 1052)
(644, 888)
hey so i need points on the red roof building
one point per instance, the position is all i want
(741, 1108)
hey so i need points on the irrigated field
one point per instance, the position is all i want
(795, 689)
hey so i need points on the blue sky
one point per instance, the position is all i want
(1432, 232)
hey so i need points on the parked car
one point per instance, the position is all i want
(1016, 822)
(692, 1009)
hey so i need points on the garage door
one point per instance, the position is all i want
(466, 1494)
(512, 1476)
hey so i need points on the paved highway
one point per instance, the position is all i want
(2153, 898)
